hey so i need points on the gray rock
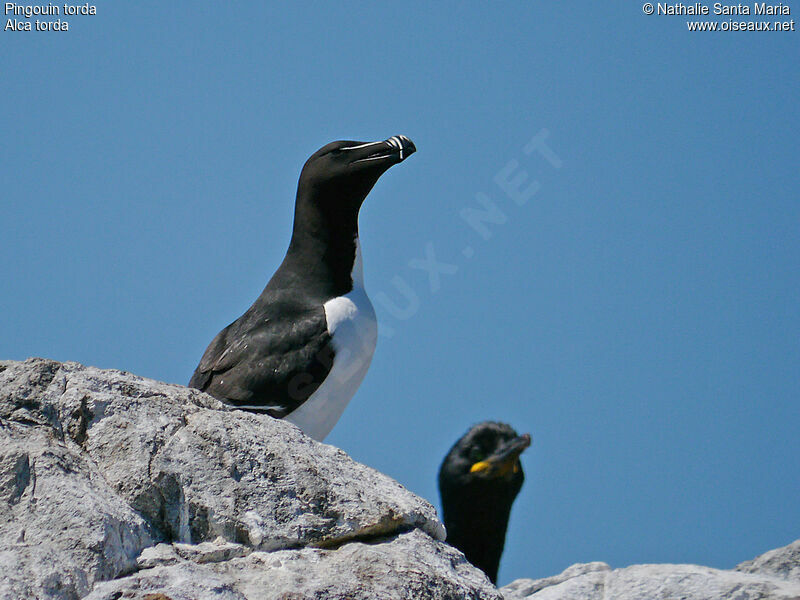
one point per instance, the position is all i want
(185, 581)
(524, 588)
(114, 486)
(62, 527)
(596, 581)
(782, 562)
(411, 565)
(168, 554)
(104, 474)
(158, 556)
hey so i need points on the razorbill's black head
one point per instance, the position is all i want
(302, 349)
(478, 481)
(339, 175)
(333, 185)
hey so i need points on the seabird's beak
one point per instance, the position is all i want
(404, 146)
(504, 461)
(396, 149)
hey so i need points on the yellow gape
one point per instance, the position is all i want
(479, 466)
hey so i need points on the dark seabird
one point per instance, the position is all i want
(479, 479)
(302, 349)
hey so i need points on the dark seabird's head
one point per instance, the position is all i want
(339, 175)
(479, 479)
(333, 184)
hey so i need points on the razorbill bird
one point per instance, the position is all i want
(302, 349)
(478, 481)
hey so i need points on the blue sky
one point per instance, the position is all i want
(639, 314)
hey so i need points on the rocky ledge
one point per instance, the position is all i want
(115, 486)
(774, 575)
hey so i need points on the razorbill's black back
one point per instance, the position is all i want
(479, 479)
(302, 349)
